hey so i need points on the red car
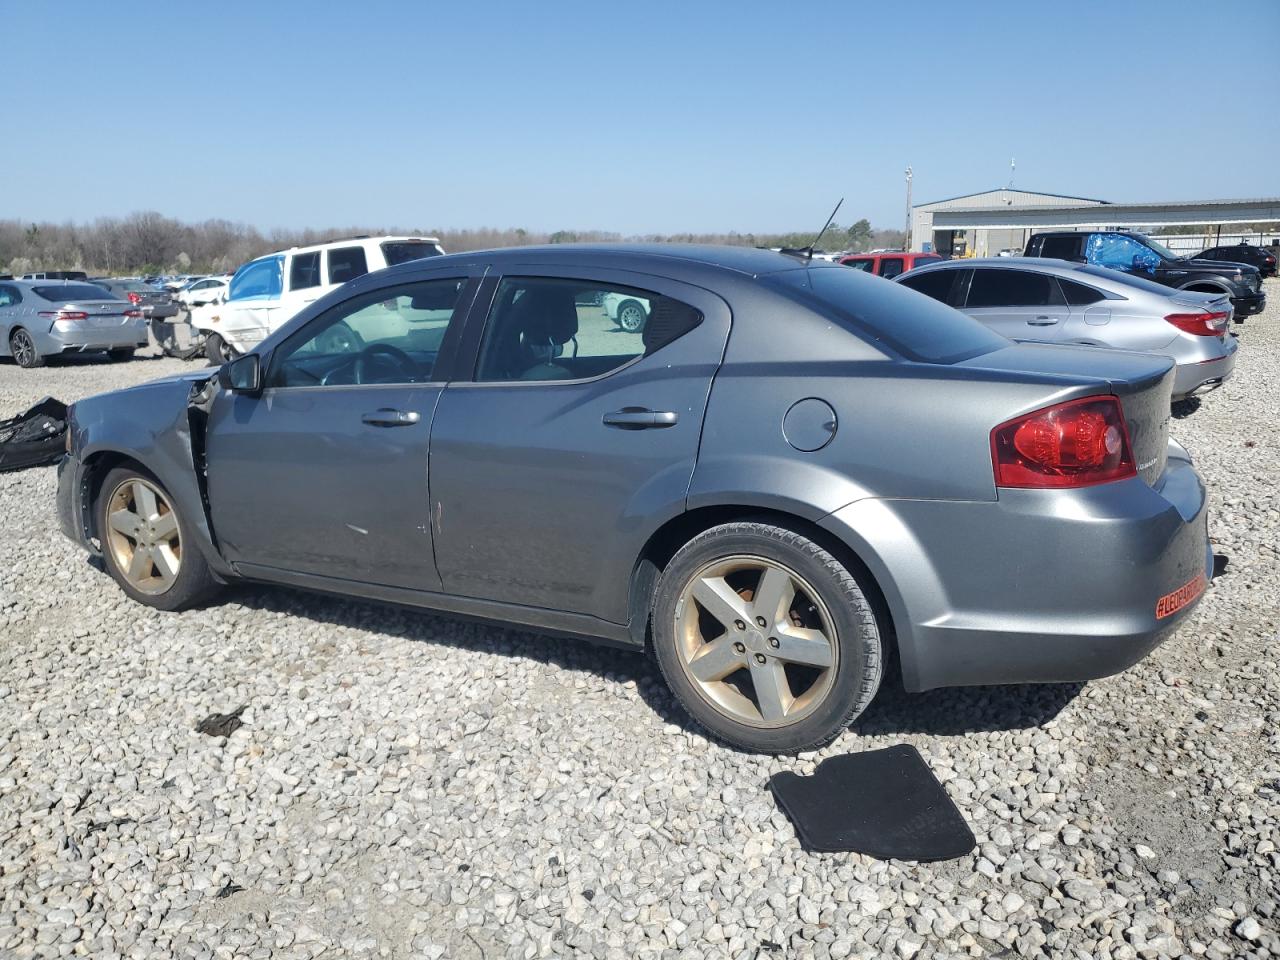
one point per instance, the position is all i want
(888, 264)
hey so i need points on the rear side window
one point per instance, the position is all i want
(66, 292)
(545, 328)
(1012, 288)
(1058, 248)
(347, 263)
(1078, 295)
(305, 271)
(402, 251)
(934, 283)
(914, 327)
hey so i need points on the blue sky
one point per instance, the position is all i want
(636, 117)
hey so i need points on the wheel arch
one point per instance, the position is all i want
(663, 544)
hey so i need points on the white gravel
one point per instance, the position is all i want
(406, 785)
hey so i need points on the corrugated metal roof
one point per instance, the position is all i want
(1122, 207)
(983, 193)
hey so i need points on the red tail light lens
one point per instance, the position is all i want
(1074, 444)
(1202, 323)
(65, 314)
(135, 298)
(133, 314)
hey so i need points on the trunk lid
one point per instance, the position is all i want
(1143, 382)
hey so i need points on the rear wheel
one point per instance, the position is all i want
(23, 349)
(147, 545)
(766, 638)
(120, 354)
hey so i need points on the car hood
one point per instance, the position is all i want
(1215, 266)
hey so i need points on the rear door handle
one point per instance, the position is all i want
(640, 418)
(386, 417)
(1042, 322)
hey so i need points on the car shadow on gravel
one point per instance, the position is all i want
(947, 712)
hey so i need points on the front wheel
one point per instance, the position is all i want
(23, 350)
(218, 350)
(147, 545)
(766, 638)
(631, 316)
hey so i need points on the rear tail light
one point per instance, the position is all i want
(57, 315)
(1202, 324)
(133, 314)
(1074, 444)
(135, 298)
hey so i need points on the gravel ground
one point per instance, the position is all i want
(406, 785)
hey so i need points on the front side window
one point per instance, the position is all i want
(347, 263)
(1011, 288)
(259, 280)
(383, 336)
(933, 283)
(1118, 252)
(543, 328)
(304, 272)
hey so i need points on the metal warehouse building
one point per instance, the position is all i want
(985, 224)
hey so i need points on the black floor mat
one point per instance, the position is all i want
(884, 803)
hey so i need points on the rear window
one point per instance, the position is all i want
(1060, 248)
(402, 251)
(1128, 279)
(67, 292)
(133, 286)
(913, 326)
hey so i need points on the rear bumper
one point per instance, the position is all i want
(80, 338)
(1039, 586)
(160, 311)
(1249, 304)
(1194, 377)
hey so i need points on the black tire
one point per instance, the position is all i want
(860, 662)
(23, 349)
(217, 349)
(194, 582)
(120, 354)
(632, 316)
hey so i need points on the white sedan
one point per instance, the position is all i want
(202, 291)
(628, 312)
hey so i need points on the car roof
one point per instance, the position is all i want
(667, 258)
(352, 242)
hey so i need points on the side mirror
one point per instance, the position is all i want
(242, 375)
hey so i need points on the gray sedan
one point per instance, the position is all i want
(44, 318)
(1058, 301)
(154, 303)
(791, 469)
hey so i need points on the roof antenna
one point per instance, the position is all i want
(808, 251)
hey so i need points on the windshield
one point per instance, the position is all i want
(1161, 249)
(66, 292)
(911, 324)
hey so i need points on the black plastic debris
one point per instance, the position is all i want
(34, 437)
(222, 724)
(228, 890)
(884, 803)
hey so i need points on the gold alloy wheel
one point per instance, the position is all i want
(756, 641)
(142, 535)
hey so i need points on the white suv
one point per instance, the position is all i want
(267, 292)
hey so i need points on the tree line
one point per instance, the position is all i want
(147, 242)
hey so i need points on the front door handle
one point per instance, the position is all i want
(640, 418)
(1042, 322)
(386, 417)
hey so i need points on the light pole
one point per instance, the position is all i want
(906, 243)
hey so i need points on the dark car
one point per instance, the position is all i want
(1264, 258)
(154, 304)
(790, 467)
(1144, 257)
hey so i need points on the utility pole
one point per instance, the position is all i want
(906, 242)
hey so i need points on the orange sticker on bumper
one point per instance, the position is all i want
(1171, 603)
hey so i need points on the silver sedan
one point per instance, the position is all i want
(43, 318)
(1057, 301)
